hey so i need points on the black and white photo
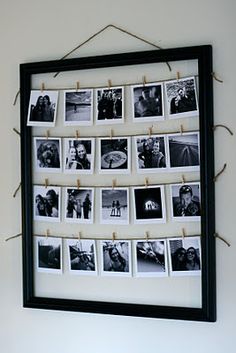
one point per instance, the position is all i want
(151, 155)
(48, 251)
(42, 108)
(185, 202)
(110, 105)
(47, 154)
(79, 205)
(184, 256)
(147, 102)
(114, 155)
(82, 256)
(115, 257)
(78, 107)
(149, 204)
(150, 258)
(181, 97)
(184, 151)
(46, 203)
(79, 155)
(114, 206)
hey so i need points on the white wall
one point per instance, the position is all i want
(44, 30)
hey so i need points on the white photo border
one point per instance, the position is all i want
(114, 171)
(188, 114)
(109, 121)
(42, 169)
(65, 153)
(138, 273)
(34, 95)
(163, 205)
(78, 123)
(148, 118)
(78, 220)
(70, 242)
(49, 240)
(116, 220)
(115, 273)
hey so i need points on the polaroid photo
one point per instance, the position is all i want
(150, 258)
(181, 98)
(110, 105)
(115, 258)
(114, 155)
(185, 202)
(48, 253)
(149, 204)
(79, 155)
(151, 153)
(82, 257)
(78, 107)
(47, 154)
(42, 108)
(185, 256)
(184, 151)
(147, 102)
(79, 205)
(114, 206)
(46, 203)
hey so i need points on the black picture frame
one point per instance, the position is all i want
(203, 55)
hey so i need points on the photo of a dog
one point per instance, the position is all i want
(48, 154)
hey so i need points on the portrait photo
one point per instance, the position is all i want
(46, 203)
(115, 258)
(42, 108)
(184, 151)
(150, 258)
(151, 155)
(109, 105)
(185, 202)
(79, 205)
(149, 204)
(114, 155)
(78, 107)
(48, 254)
(147, 102)
(82, 256)
(47, 154)
(79, 155)
(181, 98)
(114, 206)
(185, 256)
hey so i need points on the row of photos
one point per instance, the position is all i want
(150, 102)
(172, 152)
(148, 204)
(141, 258)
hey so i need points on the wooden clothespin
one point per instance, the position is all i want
(150, 131)
(113, 236)
(47, 233)
(46, 183)
(177, 75)
(111, 133)
(78, 183)
(181, 129)
(47, 134)
(183, 233)
(146, 182)
(42, 87)
(113, 183)
(77, 86)
(79, 236)
(183, 179)
(77, 134)
(109, 83)
(146, 236)
(144, 80)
